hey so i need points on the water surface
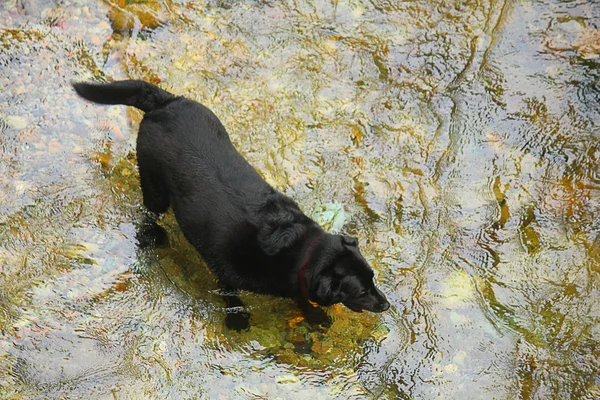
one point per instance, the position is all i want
(458, 140)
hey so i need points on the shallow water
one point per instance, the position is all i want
(459, 141)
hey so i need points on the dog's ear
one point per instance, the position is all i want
(280, 231)
(326, 290)
(350, 241)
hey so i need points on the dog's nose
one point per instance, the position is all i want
(384, 306)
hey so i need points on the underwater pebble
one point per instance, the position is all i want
(285, 379)
(96, 40)
(114, 112)
(451, 368)
(17, 121)
(84, 280)
(54, 146)
(331, 216)
(459, 358)
(458, 319)
(21, 187)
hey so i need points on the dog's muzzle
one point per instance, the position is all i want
(374, 302)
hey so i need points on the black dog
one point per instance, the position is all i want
(251, 236)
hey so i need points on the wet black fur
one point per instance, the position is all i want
(251, 236)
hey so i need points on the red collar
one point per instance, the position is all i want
(309, 252)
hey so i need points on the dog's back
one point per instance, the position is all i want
(184, 154)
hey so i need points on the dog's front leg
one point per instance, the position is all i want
(236, 319)
(314, 315)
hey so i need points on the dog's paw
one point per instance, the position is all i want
(150, 234)
(237, 320)
(317, 316)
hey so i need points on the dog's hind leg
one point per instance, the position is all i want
(150, 234)
(156, 196)
(156, 200)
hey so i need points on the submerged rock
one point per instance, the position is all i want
(124, 14)
(35, 8)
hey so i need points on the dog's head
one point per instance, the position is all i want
(342, 275)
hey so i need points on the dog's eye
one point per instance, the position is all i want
(362, 293)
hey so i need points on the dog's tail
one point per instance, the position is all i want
(136, 93)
